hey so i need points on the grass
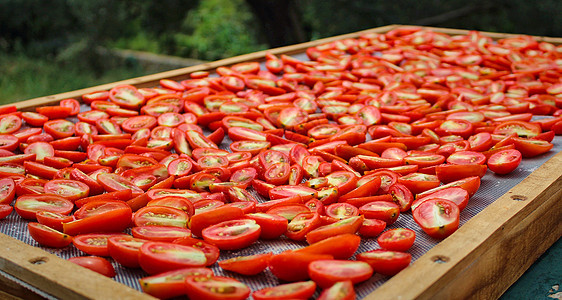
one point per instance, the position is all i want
(25, 78)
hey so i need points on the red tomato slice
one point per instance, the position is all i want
(100, 216)
(505, 161)
(158, 257)
(382, 210)
(439, 218)
(67, 188)
(94, 243)
(47, 236)
(342, 290)
(386, 262)
(96, 264)
(293, 266)
(297, 290)
(272, 226)
(216, 288)
(125, 250)
(172, 283)
(327, 272)
(7, 190)
(246, 265)
(398, 239)
(160, 216)
(348, 225)
(28, 205)
(232, 235)
(160, 233)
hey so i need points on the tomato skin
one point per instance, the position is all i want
(158, 257)
(296, 290)
(94, 243)
(293, 266)
(47, 236)
(233, 234)
(341, 246)
(386, 262)
(439, 218)
(505, 161)
(125, 250)
(28, 205)
(172, 283)
(327, 272)
(348, 225)
(342, 290)
(96, 264)
(272, 226)
(448, 173)
(216, 288)
(246, 265)
(160, 216)
(160, 233)
(455, 194)
(398, 239)
(382, 210)
(106, 216)
(7, 190)
(205, 219)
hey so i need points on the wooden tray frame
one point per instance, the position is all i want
(480, 260)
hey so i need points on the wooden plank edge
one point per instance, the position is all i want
(58, 277)
(183, 73)
(473, 255)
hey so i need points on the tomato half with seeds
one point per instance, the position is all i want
(67, 188)
(349, 225)
(126, 96)
(521, 128)
(172, 283)
(382, 210)
(505, 161)
(100, 216)
(160, 233)
(272, 226)
(398, 239)
(232, 235)
(342, 290)
(125, 249)
(158, 257)
(327, 272)
(28, 205)
(94, 243)
(59, 128)
(296, 290)
(439, 218)
(386, 262)
(7, 190)
(216, 288)
(10, 124)
(47, 236)
(160, 216)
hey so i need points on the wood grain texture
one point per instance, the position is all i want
(58, 277)
(488, 253)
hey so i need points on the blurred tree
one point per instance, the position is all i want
(218, 29)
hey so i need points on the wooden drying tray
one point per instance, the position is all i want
(480, 260)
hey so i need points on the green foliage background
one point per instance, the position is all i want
(48, 47)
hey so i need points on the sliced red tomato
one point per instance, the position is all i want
(296, 290)
(439, 218)
(160, 233)
(327, 272)
(216, 288)
(96, 264)
(158, 257)
(293, 266)
(172, 283)
(398, 239)
(246, 265)
(232, 235)
(386, 262)
(505, 161)
(47, 236)
(28, 205)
